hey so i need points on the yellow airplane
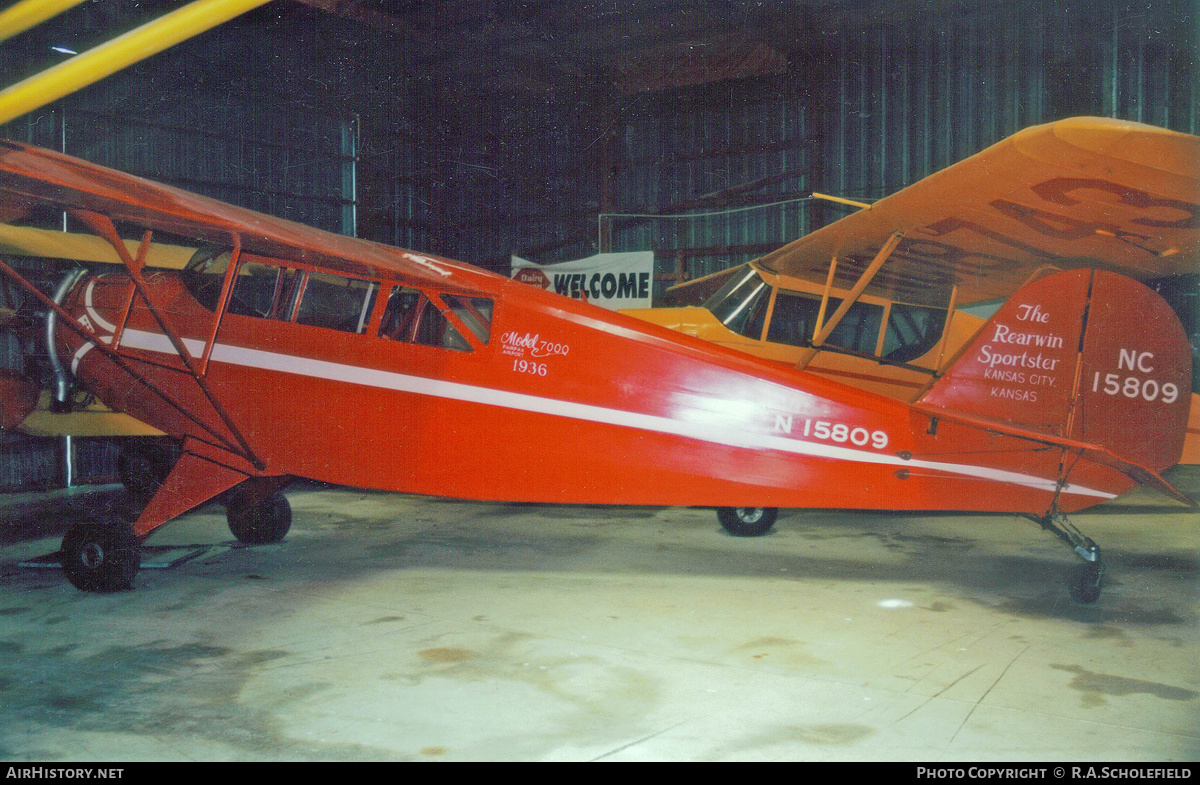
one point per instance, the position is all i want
(882, 298)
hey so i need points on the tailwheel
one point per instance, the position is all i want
(747, 521)
(259, 522)
(1085, 588)
(1086, 582)
(101, 557)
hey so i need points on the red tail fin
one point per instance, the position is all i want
(1084, 356)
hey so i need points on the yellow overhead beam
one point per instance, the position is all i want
(122, 51)
(22, 15)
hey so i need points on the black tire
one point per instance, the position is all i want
(143, 468)
(1086, 585)
(747, 521)
(101, 557)
(258, 525)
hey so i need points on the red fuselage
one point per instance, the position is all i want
(542, 399)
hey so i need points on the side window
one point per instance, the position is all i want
(858, 330)
(336, 302)
(912, 331)
(400, 313)
(795, 318)
(265, 291)
(433, 329)
(474, 312)
(411, 317)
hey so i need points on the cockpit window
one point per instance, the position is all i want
(858, 330)
(336, 302)
(410, 316)
(474, 312)
(204, 274)
(794, 319)
(794, 322)
(912, 331)
(741, 304)
(265, 291)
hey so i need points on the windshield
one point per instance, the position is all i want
(204, 274)
(741, 304)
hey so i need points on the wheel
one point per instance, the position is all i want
(143, 468)
(1085, 588)
(259, 524)
(101, 557)
(747, 521)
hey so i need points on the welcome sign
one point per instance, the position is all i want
(611, 280)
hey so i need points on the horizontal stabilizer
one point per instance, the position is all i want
(1093, 452)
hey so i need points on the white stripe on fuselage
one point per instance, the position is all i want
(437, 388)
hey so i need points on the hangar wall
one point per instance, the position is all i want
(245, 114)
(199, 118)
(869, 102)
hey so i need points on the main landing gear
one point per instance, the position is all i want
(144, 463)
(747, 521)
(258, 521)
(101, 557)
(1086, 582)
(105, 557)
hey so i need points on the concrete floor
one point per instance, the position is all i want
(400, 628)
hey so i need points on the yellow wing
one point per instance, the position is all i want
(1086, 191)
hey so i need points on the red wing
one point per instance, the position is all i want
(1084, 192)
(31, 176)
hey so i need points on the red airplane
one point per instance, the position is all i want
(281, 351)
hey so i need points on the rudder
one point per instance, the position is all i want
(1088, 356)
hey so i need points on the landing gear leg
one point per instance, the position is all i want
(1085, 586)
(107, 557)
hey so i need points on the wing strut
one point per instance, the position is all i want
(103, 226)
(863, 281)
(102, 347)
(23, 15)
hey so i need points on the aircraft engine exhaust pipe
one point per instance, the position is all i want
(62, 378)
